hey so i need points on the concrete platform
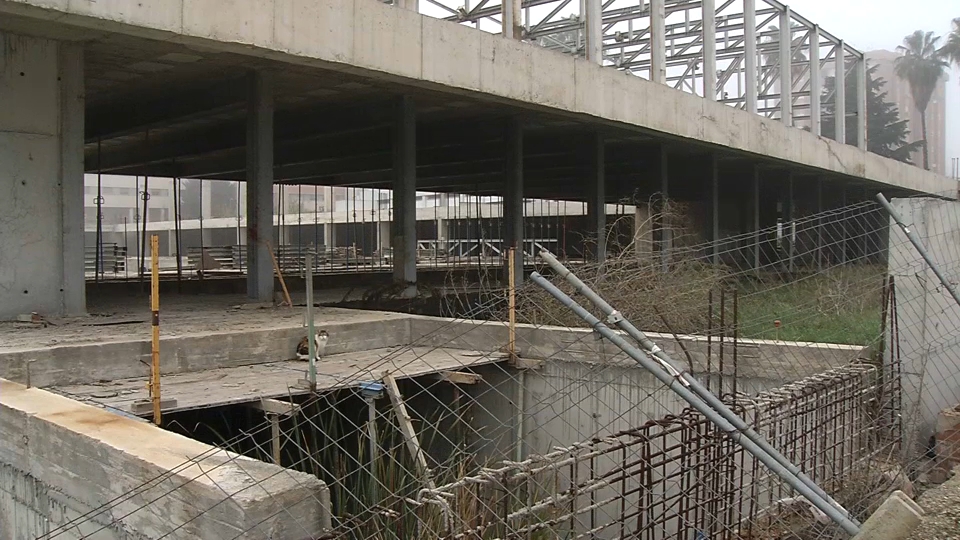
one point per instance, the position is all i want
(247, 384)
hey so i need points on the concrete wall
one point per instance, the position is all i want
(927, 316)
(377, 40)
(62, 461)
(41, 169)
(90, 362)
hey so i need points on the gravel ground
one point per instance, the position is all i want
(942, 507)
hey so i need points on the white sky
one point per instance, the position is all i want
(881, 24)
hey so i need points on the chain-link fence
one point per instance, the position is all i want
(826, 334)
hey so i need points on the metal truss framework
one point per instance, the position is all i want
(732, 51)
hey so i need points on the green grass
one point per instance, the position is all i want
(839, 306)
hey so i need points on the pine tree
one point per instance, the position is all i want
(886, 133)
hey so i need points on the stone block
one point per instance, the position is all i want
(896, 518)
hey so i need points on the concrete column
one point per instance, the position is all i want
(643, 232)
(259, 185)
(41, 174)
(329, 238)
(72, 122)
(790, 227)
(861, 103)
(513, 193)
(512, 19)
(411, 5)
(815, 82)
(594, 24)
(819, 223)
(383, 234)
(786, 67)
(709, 50)
(715, 208)
(405, 196)
(596, 198)
(750, 53)
(756, 218)
(665, 220)
(840, 110)
(658, 42)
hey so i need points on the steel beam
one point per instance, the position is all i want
(658, 43)
(786, 68)
(840, 94)
(709, 50)
(815, 82)
(750, 54)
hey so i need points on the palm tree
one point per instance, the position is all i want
(922, 66)
(951, 49)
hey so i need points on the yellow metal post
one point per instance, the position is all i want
(155, 323)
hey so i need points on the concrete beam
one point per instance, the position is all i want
(259, 185)
(136, 114)
(405, 197)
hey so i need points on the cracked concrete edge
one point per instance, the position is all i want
(896, 518)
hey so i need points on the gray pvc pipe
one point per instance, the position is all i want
(667, 363)
(681, 387)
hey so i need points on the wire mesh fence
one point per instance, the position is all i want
(826, 333)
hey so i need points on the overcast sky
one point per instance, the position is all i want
(881, 24)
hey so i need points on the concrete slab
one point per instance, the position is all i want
(386, 43)
(247, 384)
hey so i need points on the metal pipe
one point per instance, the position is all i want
(912, 236)
(670, 371)
(676, 381)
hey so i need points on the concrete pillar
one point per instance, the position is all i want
(513, 194)
(750, 54)
(594, 30)
(815, 83)
(512, 19)
(790, 225)
(715, 208)
(861, 103)
(658, 42)
(709, 50)
(786, 67)
(665, 226)
(819, 223)
(383, 234)
(41, 174)
(596, 199)
(840, 110)
(756, 218)
(259, 185)
(643, 232)
(405, 196)
(329, 238)
(411, 5)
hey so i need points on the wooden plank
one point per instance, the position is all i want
(458, 377)
(245, 384)
(275, 406)
(406, 429)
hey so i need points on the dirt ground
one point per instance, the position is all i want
(942, 507)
